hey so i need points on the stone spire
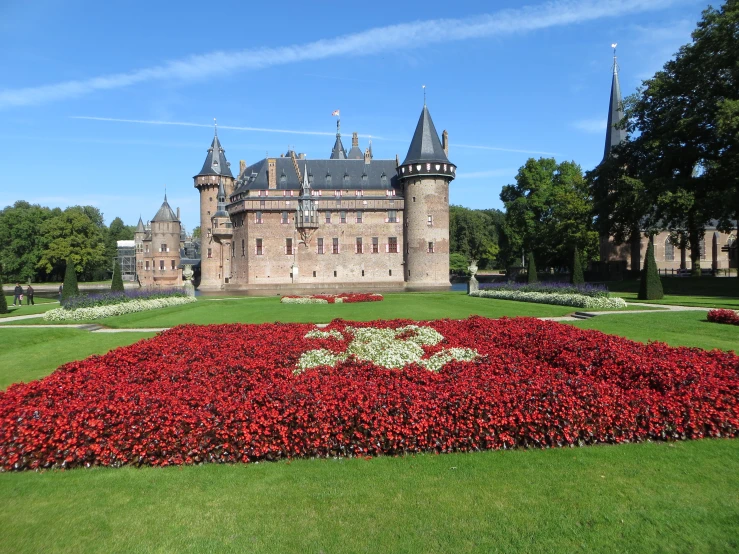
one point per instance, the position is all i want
(165, 213)
(140, 227)
(221, 210)
(614, 136)
(425, 145)
(338, 152)
(215, 161)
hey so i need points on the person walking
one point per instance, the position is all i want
(60, 293)
(18, 292)
(29, 296)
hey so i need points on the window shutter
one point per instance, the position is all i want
(387, 248)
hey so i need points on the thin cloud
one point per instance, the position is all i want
(595, 125)
(503, 172)
(499, 149)
(371, 42)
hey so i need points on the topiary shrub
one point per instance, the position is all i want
(531, 270)
(651, 285)
(3, 300)
(70, 288)
(576, 277)
(117, 284)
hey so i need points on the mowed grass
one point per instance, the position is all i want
(29, 354)
(673, 328)
(42, 305)
(706, 292)
(662, 497)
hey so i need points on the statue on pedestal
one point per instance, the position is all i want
(472, 284)
(187, 274)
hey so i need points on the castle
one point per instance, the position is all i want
(346, 223)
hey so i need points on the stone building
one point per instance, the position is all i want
(718, 250)
(158, 248)
(346, 223)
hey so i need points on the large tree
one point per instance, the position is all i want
(21, 242)
(474, 234)
(549, 213)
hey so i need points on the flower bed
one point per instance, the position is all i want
(723, 316)
(343, 298)
(189, 396)
(585, 289)
(129, 307)
(107, 298)
(561, 299)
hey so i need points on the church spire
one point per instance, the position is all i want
(215, 161)
(614, 136)
(338, 152)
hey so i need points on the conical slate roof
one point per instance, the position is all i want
(165, 213)
(338, 152)
(614, 136)
(215, 161)
(140, 227)
(221, 208)
(425, 146)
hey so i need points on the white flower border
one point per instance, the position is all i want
(575, 300)
(99, 312)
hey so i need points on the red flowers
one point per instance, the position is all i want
(227, 393)
(724, 316)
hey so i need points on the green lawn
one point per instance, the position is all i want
(42, 305)
(707, 292)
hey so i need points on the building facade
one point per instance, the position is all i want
(157, 246)
(346, 223)
(717, 249)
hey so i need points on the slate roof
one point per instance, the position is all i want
(221, 208)
(425, 146)
(345, 175)
(140, 227)
(338, 152)
(614, 136)
(165, 213)
(215, 161)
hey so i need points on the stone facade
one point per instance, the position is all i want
(158, 249)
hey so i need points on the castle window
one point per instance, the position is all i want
(258, 217)
(243, 248)
(342, 217)
(161, 265)
(259, 250)
(289, 247)
(284, 218)
(390, 272)
(210, 253)
(347, 180)
(359, 217)
(262, 193)
(430, 220)
(319, 247)
(262, 204)
(335, 245)
(173, 265)
(414, 198)
(431, 248)
(334, 273)
(392, 245)
(283, 179)
(328, 179)
(147, 265)
(383, 179)
(358, 246)
(392, 216)
(314, 274)
(146, 248)
(328, 217)
(363, 273)
(669, 251)
(375, 245)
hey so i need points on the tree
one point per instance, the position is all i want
(474, 234)
(71, 235)
(548, 213)
(117, 284)
(70, 288)
(650, 287)
(21, 242)
(576, 276)
(3, 300)
(196, 232)
(531, 277)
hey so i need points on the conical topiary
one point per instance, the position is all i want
(3, 300)
(651, 285)
(576, 277)
(531, 270)
(70, 288)
(117, 284)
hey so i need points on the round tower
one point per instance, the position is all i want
(165, 245)
(216, 170)
(425, 175)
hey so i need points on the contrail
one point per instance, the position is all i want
(406, 36)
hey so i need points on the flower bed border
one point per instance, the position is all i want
(728, 317)
(110, 310)
(574, 300)
(342, 298)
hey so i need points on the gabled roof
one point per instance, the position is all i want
(614, 136)
(425, 146)
(165, 213)
(215, 161)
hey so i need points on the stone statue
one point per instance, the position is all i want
(187, 274)
(472, 284)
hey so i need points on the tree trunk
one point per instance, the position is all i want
(695, 233)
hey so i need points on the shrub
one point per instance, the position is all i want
(109, 310)
(576, 276)
(70, 288)
(650, 287)
(3, 301)
(117, 284)
(723, 316)
(108, 298)
(531, 277)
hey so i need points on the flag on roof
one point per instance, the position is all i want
(335, 112)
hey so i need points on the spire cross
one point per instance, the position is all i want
(424, 95)
(215, 124)
(615, 66)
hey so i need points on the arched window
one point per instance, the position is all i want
(669, 251)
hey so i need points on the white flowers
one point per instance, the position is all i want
(390, 348)
(575, 300)
(302, 300)
(98, 312)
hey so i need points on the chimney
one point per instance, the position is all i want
(301, 156)
(272, 173)
(397, 161)
(367, 156)
(178, 214)
(445, 142)
(355, 139)
(242, 166)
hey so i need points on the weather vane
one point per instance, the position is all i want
(424, 94)
(614, 48)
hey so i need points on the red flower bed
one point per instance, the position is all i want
(724, 316)
(227, 393)
(345, 297)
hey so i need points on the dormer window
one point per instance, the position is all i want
(283, 179)
(364, 179)
(347, 180)
(383, 179)
(328, 179)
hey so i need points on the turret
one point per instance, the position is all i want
(425, 174)
(222, 234)
(338, 152)
(215, 174)
(165, 245)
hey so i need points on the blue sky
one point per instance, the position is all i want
(106, 103)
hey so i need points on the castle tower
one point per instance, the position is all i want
(425, 175)
(138, 238)
(165, 246)
(216, 170)
(222, 234)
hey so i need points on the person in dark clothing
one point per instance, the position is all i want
(60, 293)
(18, 292)
(29, 296)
